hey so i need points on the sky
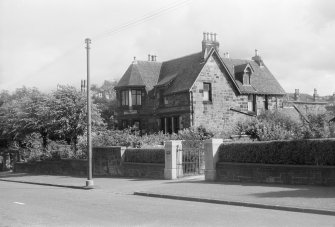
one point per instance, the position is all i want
(42, 41)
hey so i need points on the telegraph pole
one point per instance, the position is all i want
(89, 181)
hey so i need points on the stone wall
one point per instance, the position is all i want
(215, 114)
(277, 174)
(107, 161)
(56, 167)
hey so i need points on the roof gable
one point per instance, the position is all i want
(262, 81)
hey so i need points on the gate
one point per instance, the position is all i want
(190, 158)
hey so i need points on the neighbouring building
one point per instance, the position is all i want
(305, 103)
(202, 89)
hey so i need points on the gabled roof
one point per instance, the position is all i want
(261, 82)
(184, 70)
(141, 73)
(180, 73)
(241, 68)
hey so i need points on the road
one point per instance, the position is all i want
(34, 205)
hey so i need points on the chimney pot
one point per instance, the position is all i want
(149, 57)
(204, 39)
(211, 34)
(152, 57)
(227, 54)
(215, 37)
(296, 94)
(134, 58)
(207, 36)
(256, 52)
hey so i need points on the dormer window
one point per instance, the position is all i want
(243, 73)
(246, 76)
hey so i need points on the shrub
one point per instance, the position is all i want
(144, 155)
(296, 152)
(270, 126)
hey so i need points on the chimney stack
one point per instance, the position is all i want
(296, 95)
(209, 42)
(258, 59)
(315, 95)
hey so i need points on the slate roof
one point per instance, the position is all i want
(179, 74)
(185, 70)
(261, 82)
(141, 73)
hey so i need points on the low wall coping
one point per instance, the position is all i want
(274, 165)
(143, 163)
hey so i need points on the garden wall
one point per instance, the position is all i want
(285, 162)
(55, 167)
(278, 174)
(107, 161)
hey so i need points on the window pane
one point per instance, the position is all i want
(206, 95)
(133, 99)
(206, 87)
(138, 100)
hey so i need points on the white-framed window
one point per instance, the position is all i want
(207, 92)
(251, 103)
(125, 98)
(136, 97)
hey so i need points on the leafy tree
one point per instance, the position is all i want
(69, 114)
(25, 112)
(106, 103)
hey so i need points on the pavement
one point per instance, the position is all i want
(297, 198)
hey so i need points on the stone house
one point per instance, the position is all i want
(306, 103)
(202, 89)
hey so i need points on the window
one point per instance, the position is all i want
(246, 76)
(124, 124)
(207, 92)
(136, 97)
(251, 101)
(136, 125)
(160, 97)
(266, 102)
(125, 98)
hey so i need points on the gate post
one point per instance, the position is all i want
(211, 158)
(170, 170)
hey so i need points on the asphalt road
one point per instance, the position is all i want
(34, 205)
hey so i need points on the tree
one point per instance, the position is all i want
(69, 114)
(106, 103)
(25, 112)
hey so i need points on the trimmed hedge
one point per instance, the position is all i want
(144, 155)
(290, 152)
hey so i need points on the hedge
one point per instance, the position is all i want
(290, 152)
(144, 155)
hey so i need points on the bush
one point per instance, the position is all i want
(295, 152)
(270, 126)
(144, 155)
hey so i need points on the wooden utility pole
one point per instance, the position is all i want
(89, 181)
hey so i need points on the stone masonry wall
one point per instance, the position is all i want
(214, 115)
(275, 174)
